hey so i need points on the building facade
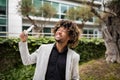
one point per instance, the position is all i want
(12, 23)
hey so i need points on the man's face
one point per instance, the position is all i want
(61, 35)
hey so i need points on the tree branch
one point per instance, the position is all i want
(32, 21)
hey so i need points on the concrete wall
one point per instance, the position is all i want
(14, 19)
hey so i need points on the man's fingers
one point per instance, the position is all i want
(23, 36)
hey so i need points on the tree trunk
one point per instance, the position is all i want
(37, 29)
(36, 32)
(80, 26)
(111, 36)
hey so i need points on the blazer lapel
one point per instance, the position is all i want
(68, 64)
(46, 57)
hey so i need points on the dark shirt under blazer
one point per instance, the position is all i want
(56, 64)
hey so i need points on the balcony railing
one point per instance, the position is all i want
(10, 34)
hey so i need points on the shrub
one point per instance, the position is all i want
(90, 49)
(11, 62)
(19, 73)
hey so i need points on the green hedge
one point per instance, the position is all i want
(9, 54)
(11, 62)
(90, 49)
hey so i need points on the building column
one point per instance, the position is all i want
(14, 19)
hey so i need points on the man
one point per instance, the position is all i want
(55, 61)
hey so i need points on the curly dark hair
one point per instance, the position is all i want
(73, 31)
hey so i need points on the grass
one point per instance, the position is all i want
(99, 70)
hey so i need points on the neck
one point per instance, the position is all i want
(60, 46)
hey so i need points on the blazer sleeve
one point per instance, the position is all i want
(26, 57)
(75, 69)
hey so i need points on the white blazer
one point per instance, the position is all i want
(41, 57)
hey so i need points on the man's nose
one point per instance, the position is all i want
(59, 31)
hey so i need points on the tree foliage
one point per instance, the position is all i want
(85, 13)
(47, 11)
(82, 13)
(26, 7)
(71, 13)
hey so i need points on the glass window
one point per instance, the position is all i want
(2, 7)
(63, 8)
(2, 21)
(2, 2)
(2, 10)
(42, 0)
(90, 20)
(56, 6)
(3, 17)
(47, 30)
(25, 28)
(56, 16)
(63, 11)
(90, 31)
(47, 2)
(37, 3)
(96, 32)
(63, 17)
(71, 6)
(3, 28)
(98, 0)
(3, 34)
(84, 31)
